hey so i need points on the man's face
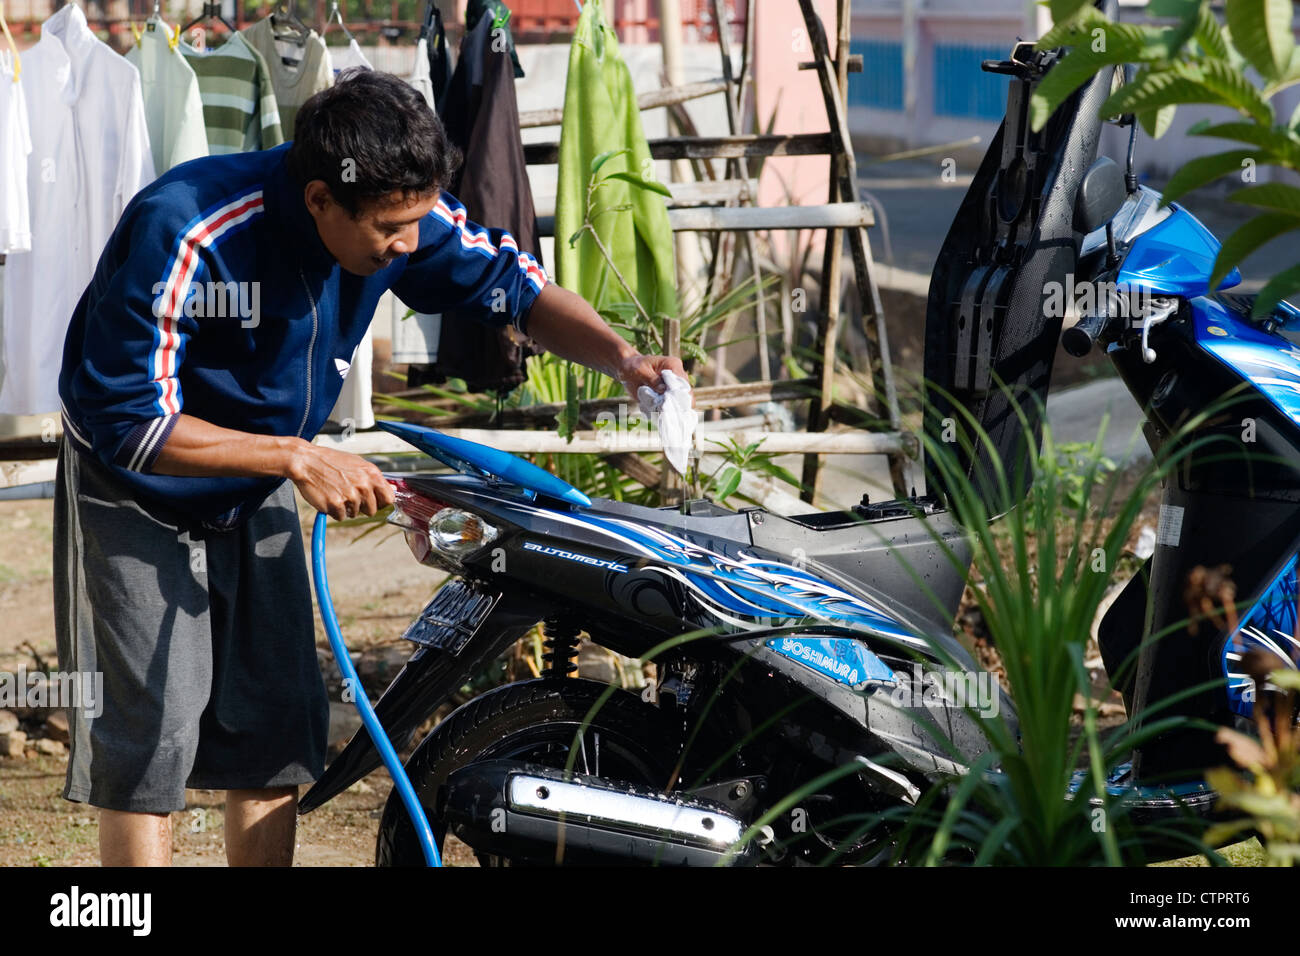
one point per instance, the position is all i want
(381, 231)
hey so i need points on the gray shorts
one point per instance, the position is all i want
(205, 640)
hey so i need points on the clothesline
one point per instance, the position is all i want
(478, 106)
(163, 104)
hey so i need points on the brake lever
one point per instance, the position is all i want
(1164, 308)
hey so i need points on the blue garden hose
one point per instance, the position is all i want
(423, 831)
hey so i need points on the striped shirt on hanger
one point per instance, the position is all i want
(239, 107)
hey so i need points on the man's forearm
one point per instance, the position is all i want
(340, 484)
(197, 448)
(564, 323)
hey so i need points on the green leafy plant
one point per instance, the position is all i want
(454, 393)
(1039, 573)
(1069, 470)
(1197, 60)
(552, 379)
(725, 480)
(555, 381)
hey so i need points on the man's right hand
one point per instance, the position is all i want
(340, 484)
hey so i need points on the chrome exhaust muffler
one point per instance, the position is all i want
(536, 814)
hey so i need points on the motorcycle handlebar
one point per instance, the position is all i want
(1079, 338)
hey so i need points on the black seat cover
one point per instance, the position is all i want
(1012, 235)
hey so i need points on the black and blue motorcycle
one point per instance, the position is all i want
(805, 656)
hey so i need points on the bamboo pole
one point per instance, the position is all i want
(688, 261)
(850, 442)
(654, 99)
(709, 147)
(740, 167)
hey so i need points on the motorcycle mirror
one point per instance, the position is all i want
(1121, 78)
(1100, 195)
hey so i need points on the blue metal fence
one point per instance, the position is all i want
(961, 88)
(880, 84)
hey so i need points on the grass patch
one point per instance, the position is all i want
(1246, 853)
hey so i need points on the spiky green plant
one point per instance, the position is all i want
(1044, 564)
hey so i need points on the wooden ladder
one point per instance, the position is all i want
(833, 75)
(694, 208)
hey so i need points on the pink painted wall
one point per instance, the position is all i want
(780, 43)
(639, 12)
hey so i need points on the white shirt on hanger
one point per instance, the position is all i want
(15, 145)
(90, 155)
(420, 77)
(355, 403)
(349, 56)
(173, 107)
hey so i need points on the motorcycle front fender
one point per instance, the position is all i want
(451, 648)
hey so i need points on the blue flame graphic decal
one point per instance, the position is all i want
(1271, 625)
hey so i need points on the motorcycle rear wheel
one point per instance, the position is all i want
(535, 721)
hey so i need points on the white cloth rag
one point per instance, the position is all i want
(673, 414)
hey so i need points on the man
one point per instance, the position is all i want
(207, 351)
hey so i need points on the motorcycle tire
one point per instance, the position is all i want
(536, 721)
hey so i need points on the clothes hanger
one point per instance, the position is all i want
(211, 11)
(154, 18)
(426, 21)
(285, 19)
(336, 13)
(18, 65)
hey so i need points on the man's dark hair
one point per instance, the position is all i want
(368, 135)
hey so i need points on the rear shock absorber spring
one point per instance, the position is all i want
(559, 647)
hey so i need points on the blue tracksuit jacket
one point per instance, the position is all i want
(215, 296)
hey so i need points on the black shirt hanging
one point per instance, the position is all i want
(481, 115)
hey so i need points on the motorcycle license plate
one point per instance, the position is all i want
(451, 618)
